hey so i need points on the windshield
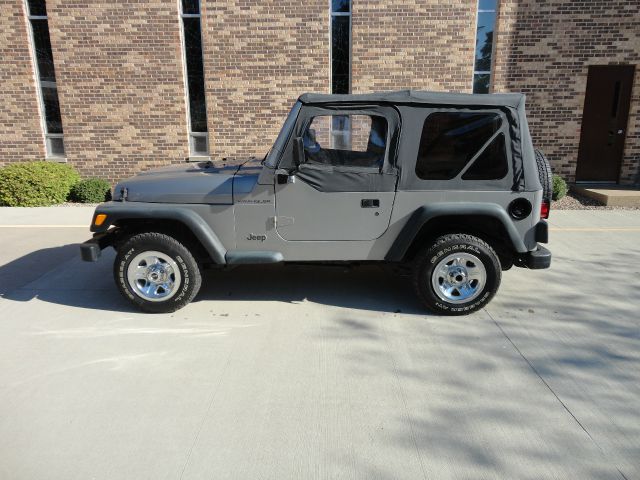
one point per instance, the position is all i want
(272, 156)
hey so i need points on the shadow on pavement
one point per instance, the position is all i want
(542, 384)
(574, 331)
(475, 408)
(32, 266)
(364, 287)
(57, 275)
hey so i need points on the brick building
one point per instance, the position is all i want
(119, 86)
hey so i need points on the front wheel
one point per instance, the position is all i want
(156, 273)
(456, 275)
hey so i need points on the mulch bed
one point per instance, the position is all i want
(573, 201)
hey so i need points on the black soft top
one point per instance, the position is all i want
(513, 100)
(419, 104)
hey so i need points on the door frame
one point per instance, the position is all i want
(582, 143)
(355, 190)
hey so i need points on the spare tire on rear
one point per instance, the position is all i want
(544, 172)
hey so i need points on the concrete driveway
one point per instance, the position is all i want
(300, 373)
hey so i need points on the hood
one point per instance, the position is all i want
(203, 182)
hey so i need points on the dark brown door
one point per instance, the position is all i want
(604, 123)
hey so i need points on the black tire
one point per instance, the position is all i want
(189, 277)
(544, 172)
(430, 258)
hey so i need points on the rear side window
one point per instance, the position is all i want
(491, 164)
(451, 139)
(346, 140)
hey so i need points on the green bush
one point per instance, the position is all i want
(36, 184)
(91, 190)
(560, 187)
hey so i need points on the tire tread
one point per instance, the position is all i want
(546, 176)
(161, 239)
(428, 251)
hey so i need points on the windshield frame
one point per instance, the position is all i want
(273, 156)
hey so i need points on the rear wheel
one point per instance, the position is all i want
(457, 275)
(156, 273)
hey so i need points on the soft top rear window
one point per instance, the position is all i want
(451, 139)
(491, 164)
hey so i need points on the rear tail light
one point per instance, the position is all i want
(544, 210)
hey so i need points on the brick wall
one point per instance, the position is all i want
(120, 83)
(544, 49)
(419, 44)
(259, 56)
(21, 135)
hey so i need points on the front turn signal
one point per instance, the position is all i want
(100, 218)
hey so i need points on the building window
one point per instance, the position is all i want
(484, 45)
(340, 67)
(46, 77)
(340, 46)
(192, 34)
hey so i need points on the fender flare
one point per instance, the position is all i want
(426, 213)
(193, 221)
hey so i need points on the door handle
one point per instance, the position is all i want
(370, 203)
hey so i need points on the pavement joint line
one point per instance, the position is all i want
(595, 229)
(404, 400)
(44, 226)
(214, 394)
(553, 392)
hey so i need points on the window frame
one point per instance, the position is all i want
(343, 113)
(40, 84)
(493, 46)
(194, 155)
(307, 112)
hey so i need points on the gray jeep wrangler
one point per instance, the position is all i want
(446, 184)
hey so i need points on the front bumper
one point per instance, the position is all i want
(535, 259)
(91, 249)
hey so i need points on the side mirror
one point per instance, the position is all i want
(298, 151)
(284, 176)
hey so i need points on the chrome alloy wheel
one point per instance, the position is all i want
(459, 278)
(154, 276)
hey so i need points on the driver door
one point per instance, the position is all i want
(342, 183)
